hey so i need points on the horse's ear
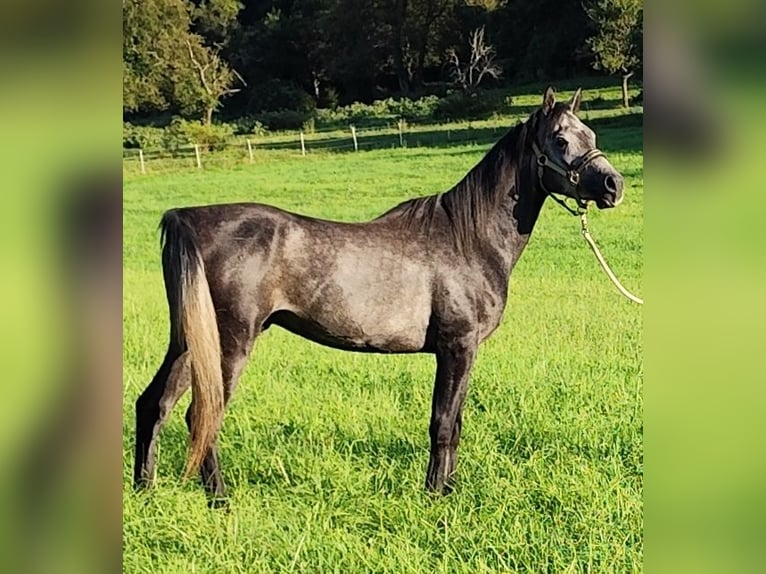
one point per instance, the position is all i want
(549, 100)
(574, 103)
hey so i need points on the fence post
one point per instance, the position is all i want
(250, 151)
(196, 152)
(353, 135)
(303, 145)
(141, 157)
(401, 127)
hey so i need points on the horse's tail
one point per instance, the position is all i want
(193, 326)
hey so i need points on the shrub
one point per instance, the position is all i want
(358, 112)
(325, 117)
(421, 109)
(309, 126)
(379, 111)
(178, 134)
(144, 137)
(329, 98)
(283, 119)
(249, 125)
(454, 106)
(470, 106)
(183, 132)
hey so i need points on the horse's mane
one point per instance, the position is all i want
(471, 204)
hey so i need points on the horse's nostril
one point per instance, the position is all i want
(610, 184)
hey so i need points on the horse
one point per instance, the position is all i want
(430, 276)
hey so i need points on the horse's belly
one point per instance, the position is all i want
(356, 295)
(390, 320)
(393, 334)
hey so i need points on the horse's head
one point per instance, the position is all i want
(568, 161)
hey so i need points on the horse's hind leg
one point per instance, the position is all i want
(153, 408)
(234, 354)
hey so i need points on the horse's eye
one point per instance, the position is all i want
(561, 143)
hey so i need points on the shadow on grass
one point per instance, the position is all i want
(369, 141)
(307, 450)
(610, 131)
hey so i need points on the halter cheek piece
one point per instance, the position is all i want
(571, 173)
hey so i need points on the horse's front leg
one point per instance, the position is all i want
(454, 360)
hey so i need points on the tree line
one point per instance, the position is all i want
(197, 58)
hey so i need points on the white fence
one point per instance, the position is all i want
(353, 139)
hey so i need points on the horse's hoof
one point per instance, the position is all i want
(142, 484)
(218, 503)
(440, 487)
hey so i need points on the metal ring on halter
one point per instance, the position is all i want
(574, 177)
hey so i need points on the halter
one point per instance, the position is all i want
(571, 173)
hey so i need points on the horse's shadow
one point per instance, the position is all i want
(308, 453)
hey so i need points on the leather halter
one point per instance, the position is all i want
(571, 173)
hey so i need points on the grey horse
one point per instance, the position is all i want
(428, 276)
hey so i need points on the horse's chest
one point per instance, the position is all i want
(470, 305)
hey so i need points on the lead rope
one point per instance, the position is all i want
(573, 175)
(586, 234)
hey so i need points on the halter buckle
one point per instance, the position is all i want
(542, 159)
(574, 177)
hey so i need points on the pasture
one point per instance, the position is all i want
(324, 452)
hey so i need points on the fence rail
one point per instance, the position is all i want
(353, 139)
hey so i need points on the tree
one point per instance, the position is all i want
(414, 29)
(152, 42)
(616, 45)
(215, 79)
(355, 46)
(166, 64)
(480, 62)
(214, 19)
(181, 55)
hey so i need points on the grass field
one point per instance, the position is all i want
(325, 452)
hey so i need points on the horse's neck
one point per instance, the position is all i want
(522, 198)
(517, 216)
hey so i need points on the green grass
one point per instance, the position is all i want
(325, 452)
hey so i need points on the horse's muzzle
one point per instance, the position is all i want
(612, 195)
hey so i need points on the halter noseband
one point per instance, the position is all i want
(571, 173)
